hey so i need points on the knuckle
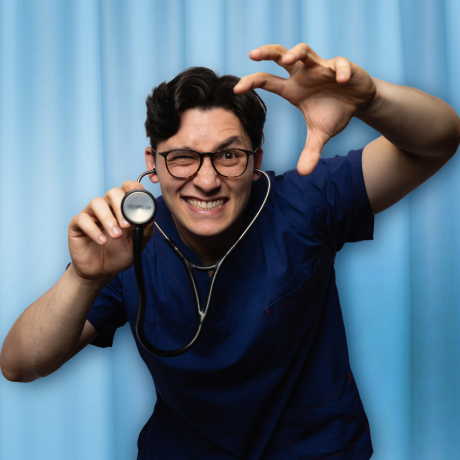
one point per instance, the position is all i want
(113, 192)
(80, 219)
(74, 222)
(96, 201)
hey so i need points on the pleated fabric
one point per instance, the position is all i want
(74, 76)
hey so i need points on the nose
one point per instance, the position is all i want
(207, 178)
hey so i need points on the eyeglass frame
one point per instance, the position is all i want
(211, 156)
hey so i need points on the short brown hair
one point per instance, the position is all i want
(201, 88)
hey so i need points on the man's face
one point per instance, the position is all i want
(206, 132)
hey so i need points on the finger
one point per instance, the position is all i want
(342, 68)
(114, 198)
(99, 208)
(261, 80)
(83, 223)
(301, 52)
(268, 53)
(129, 185)
(311, 153)
(273, 53)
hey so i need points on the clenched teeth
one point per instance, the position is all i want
(205, 205)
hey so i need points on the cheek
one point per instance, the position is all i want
(167, 192)
(242, 194)
(168, 185)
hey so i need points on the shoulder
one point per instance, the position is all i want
(340, 175)
(292, 190)
(339, 166)
(328, 202)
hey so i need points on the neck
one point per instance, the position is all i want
(210, 249)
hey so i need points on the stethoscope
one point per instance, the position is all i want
(139, 208)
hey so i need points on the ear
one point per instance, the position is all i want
(257, 162)
(150, 162)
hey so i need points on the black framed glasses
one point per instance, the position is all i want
(185, 163)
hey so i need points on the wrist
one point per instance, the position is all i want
(372, 107)
(87, 284)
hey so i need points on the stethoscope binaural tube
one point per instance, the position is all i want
(139, 208)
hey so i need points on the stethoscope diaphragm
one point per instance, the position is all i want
(139, 207)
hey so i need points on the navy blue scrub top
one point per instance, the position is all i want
(270, 376)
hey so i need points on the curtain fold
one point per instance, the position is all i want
(73, 81)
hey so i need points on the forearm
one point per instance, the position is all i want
(47, 332)
(412, 120)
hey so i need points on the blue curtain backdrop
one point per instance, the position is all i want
(73, 79)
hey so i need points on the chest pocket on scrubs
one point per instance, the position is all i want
(290, 308)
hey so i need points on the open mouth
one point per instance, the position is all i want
(205, 205)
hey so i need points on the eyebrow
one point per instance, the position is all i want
(222, 145)
(230, 141)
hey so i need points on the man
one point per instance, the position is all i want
(270, 377)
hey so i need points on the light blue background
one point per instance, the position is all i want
(73, 80)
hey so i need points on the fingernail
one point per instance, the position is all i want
(102, 239)
(116, 231)
(125, 222)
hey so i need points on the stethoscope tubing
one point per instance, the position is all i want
(201, 313)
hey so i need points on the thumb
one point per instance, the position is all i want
(311, 153)
(129, 185)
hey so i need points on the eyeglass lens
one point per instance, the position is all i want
(228, 162)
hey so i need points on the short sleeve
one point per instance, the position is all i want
(108, 313)
(339, 195)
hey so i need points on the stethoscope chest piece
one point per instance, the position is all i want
(139, 207)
